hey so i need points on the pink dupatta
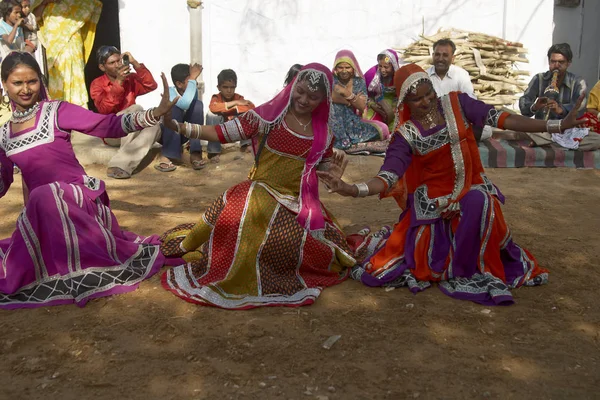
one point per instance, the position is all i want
(269, 114)
(373, 77)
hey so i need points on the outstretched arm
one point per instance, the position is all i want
(241, 128)
(522, 124)
(398, 157)
(72, 117)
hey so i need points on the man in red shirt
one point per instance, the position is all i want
(115, 92)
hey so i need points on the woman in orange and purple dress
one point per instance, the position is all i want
(451, 229)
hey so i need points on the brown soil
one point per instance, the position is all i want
(151, 345)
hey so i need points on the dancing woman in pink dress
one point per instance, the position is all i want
(67, 246)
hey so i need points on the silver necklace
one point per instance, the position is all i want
(18, 117)
(429, 119)
(304, 126)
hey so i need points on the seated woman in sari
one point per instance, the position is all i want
(451, 230)
(267, 241)
(349, 102)
(380, 88)
(67, 246)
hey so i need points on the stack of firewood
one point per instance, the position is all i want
(490, 61)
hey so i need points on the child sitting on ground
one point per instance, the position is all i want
(187, 109)
(11, 33)
(228, 104)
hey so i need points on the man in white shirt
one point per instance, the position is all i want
(447, 78)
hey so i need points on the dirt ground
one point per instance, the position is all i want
(150, 345)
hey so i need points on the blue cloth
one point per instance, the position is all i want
(6, 29)
(347, 127)
(189, 95)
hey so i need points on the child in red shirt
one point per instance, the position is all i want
(228, 104)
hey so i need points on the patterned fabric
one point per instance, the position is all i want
(376, 148)
(36, 137)
(470, 252)
(378, 92)
(348, 128)
(68, 34)
(248, 249)
(67, 246)
(517, 154)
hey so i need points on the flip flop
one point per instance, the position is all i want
(199, 164)
(165, 166)
(117, 173)
(215, 159)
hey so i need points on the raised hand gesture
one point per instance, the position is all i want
(195, 71)
(571, 121)
(165, 105)
(336, 184)
(338, 163)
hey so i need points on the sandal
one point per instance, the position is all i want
(117, 173)
(215, 159)
(199, 164)
(165, 166)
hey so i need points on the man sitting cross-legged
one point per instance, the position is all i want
(116, 92)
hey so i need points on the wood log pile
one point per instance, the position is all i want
(490, 61)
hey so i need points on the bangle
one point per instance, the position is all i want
(176, 123)
(553, 126)
(351, 98)
(192, 131)
(363, 189)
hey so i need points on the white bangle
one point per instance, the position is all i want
(197, 131)
(363, 189)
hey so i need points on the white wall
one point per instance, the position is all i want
(157, 34)
(261, 39)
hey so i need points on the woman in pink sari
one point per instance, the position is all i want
(352, 133)
(68, 247)
(380, 88)
(267, 241)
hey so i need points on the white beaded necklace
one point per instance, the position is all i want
(19, 117)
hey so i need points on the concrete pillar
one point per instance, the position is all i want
(195, 9)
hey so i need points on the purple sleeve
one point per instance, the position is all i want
(398, 156)
(369, 75)
(6, 173)
(476, 112)
(72, 117)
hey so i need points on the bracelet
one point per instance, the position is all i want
(192, 131)
(351, 98)
(198, 129)
(553, 126)
(363, 189)
(176, 123)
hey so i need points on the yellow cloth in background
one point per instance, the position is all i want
(68, 33)
(5, 112)
(594, 99)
